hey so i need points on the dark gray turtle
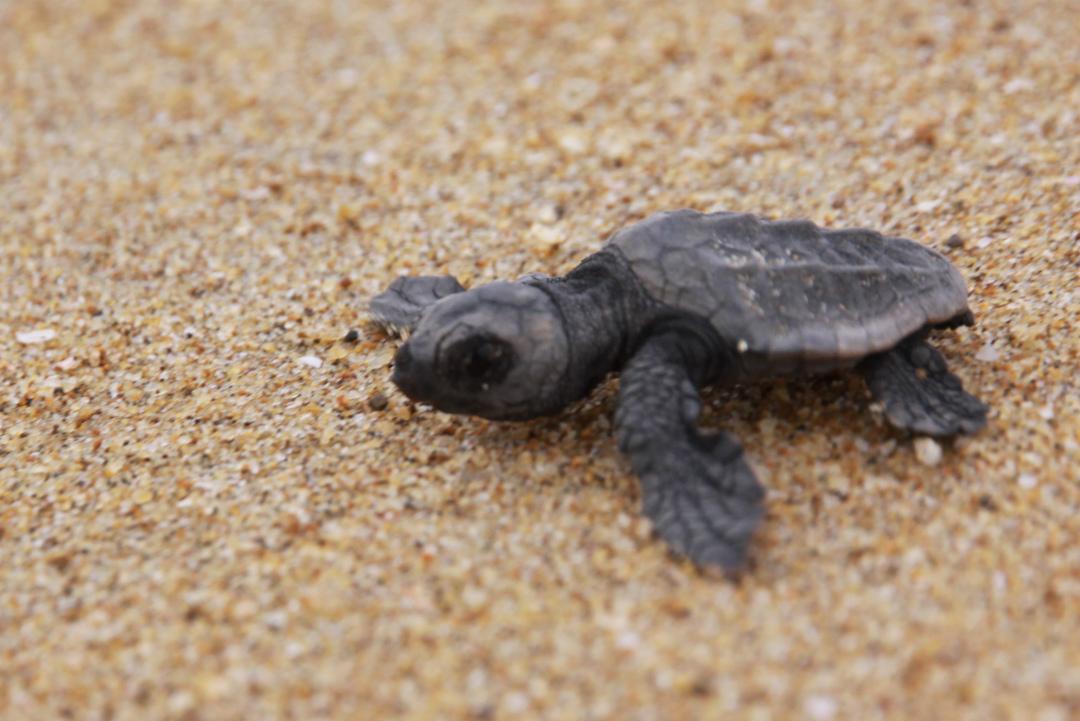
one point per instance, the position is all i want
(681, 300)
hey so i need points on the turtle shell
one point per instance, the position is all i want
(789, 290)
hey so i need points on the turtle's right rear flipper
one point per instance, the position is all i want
(919, 392)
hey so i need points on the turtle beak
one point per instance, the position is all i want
(403, 360)
(410, 376)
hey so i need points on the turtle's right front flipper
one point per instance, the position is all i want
(398, 308)
(697, 489)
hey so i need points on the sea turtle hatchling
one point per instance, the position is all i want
(677, 301)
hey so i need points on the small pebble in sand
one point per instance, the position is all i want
(928, 451)
(988, 354)
(547, 214)
(377, 401)
(352, 336)
(337, 353)
(1027, 480)
(954, 241)
(819, 707)
(35, 336)
(311, 361)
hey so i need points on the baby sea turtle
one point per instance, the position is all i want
(681, 300)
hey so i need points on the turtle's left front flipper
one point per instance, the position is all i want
(697, 489)
(398, 308)
(920, 395)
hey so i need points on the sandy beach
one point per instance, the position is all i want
(212, 507)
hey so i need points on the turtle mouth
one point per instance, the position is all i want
(419, 384)
(410, 378)
(420, 390)
(416, 391)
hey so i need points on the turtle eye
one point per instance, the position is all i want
(481, 361)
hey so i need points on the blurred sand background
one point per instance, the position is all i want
(211, 508)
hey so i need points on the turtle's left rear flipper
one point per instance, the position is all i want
(919, 392)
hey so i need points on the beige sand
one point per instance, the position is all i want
(197, 523)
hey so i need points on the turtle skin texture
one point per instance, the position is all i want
(682, 300)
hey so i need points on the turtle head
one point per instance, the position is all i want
(498, 351)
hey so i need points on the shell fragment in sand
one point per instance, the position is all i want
(35, 336)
